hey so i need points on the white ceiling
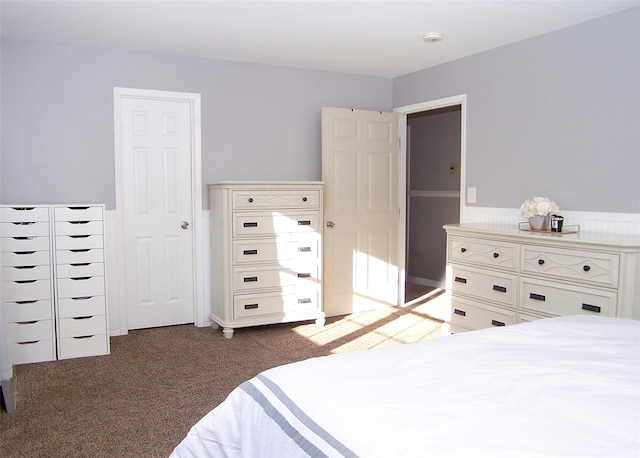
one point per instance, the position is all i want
(378, 38)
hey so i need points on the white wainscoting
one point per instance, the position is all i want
(612, 223)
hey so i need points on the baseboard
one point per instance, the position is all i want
(9, 394)
(425, 282)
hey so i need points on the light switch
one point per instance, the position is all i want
(471, 195)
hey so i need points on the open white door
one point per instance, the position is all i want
(360, 170)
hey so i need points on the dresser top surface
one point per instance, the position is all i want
(513, 232)
(264, 184)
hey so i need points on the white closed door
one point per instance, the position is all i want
(360, 152)
(156, 198)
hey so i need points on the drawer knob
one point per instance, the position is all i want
(496, 255)
(537, 297)
(496, 323)
(586, 268)
(460, 279)
(459, 312)
(304, 199)
(251, 306)
(250, 199)
(541, 261)
(463, 250)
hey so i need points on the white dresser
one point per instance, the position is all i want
(266, 253)
(27, 289)
(500, 275)
(53, 280)
(80, 281)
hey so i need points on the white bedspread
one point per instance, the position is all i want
(557, 387)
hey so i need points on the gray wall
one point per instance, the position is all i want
(259, 122)
(557, 115)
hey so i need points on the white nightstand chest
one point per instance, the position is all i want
(266, 248)
(500, 275)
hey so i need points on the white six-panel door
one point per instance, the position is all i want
(156, 199)
(360, 170)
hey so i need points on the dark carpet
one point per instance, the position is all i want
(141, 400)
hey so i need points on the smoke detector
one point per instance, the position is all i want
(432, 37)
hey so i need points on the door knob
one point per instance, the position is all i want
(330, 224)
(184, 225)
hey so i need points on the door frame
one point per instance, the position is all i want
(402, 169)
(197, 247)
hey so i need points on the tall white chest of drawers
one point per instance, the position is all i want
(500, 275)
(27, 288)
(53, 281)
(80, 281)
(266, 253)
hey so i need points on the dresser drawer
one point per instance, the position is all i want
(28, 310)
(79, 227)
(83, 269)
(26, 290)
(303, 299)
(272, 224)
(27, 331)
(33, 351)
(594, 268)
(24, 244)
(24, 229)
(79, 256)
(81, 346)
(81, 286)
(77, 213)
(477, 315)
(483, 252)
(487, 285)
(16, 273)
(276, 276)
(556, 299)
(76, 242)
(69, 307)
(82, 326)
(248, 199)
(274, 250)
(26, 258)
(24, 214)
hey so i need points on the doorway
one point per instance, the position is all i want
(433, 152)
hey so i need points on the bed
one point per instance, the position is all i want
(567, 386)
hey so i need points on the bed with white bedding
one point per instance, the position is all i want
(566, 386)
